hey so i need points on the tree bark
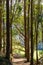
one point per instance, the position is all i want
(7, 31)
(3, 30)
(27, 35)
(37, 24)
(0, 25)
(25, 26)
(32, 32)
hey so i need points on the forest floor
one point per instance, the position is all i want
(20, 61)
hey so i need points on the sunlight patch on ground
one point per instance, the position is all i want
(39, 55)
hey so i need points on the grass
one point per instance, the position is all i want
(40, 53)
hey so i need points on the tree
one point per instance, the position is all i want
(37, 24)
(25, 26)
(32, 32)
(4, 33)
(27, 35)
(7, 31)
(11, 30)
(0, 25)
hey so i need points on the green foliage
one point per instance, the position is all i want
(18, 19)
(19, 7)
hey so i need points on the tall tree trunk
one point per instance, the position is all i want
(8, 31)
(3, 30)
(11, 27)
(4, 37)
(32, 32)
(26, 28)
(0, 24)
(42, 32)
(28, 33)
(37, 24)
(42, 24)
(36, 42)
(25, 25)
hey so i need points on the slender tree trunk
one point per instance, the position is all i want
(3, 36)
(37, 23)
(25, 25)
(36, 31)
(0, 25)
(8, 31)
(10, 19)
(42, 25)
(11, 27)
(11, 30)
(3, 30)
(28, 33)
(32, 32)
(36, 38)
(42, 32)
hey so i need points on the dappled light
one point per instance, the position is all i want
(21, 32)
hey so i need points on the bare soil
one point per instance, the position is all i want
(20, 61)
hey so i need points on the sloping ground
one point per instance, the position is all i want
(20, 61)
(16, 60)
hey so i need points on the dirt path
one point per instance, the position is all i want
(16, 60)
(20, 61)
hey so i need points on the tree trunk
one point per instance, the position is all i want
(42, 32)
(25, 26)
(32, 32)
(36, 42)
(37, 24)
(3, 30)
(11, 27)
(8, 31)
(27, 35)
(0, 25)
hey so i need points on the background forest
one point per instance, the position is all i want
(20, 27)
